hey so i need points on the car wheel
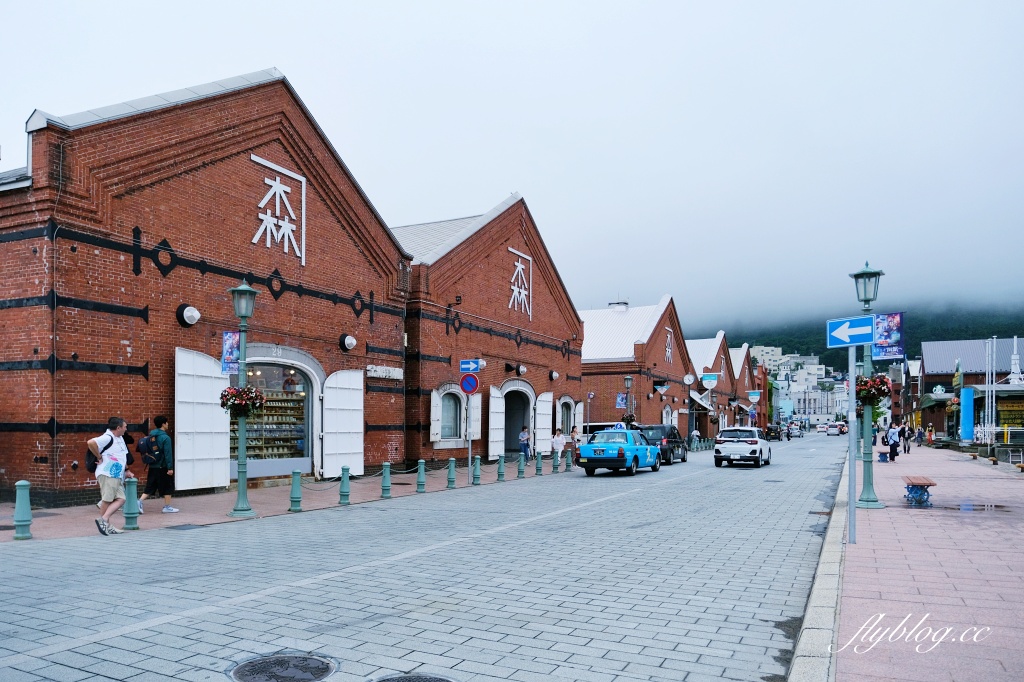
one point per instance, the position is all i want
(657, 464)
(757, 464)
(590, 472)
(718, 463)
(769, 457)
(631, 469)
(685, 452)
(671, 457)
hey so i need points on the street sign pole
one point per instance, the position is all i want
(851, 422)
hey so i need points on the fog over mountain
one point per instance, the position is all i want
(742, 157)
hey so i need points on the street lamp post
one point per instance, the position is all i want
(244, 299)
(866, 281)
(628, 380)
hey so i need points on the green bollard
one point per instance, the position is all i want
(344, 489)
(385, 482)
(540, 464)
(555, 461)
(451, 473)
(522, 466)
(421, 476)
(22, 511)
(568, 461)
(296, 495)
(131, 504)
(476, 470)
(501, 468)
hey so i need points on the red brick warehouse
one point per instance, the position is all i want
(485, 287)
(125, 215)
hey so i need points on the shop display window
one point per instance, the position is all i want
(281, 430)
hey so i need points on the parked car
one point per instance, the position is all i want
(832, 430)
(843, 428)
(773, 432)
(796, 432)
(822, 428)
(672, 443)
(742, 444)
(619, 449)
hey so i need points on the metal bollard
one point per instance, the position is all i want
(568, 461)
(344, 489)
(385, 482)
(451, 473)
(22, 511)
(296, 495)
(421, 476)
(476, 470)
(131, 504)
(540, 463)
(522, 466)
(501, 467)
(555, 460)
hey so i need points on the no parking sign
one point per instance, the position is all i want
(469, 383)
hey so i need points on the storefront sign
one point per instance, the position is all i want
(522, 284)
(384, 372)
(229, 352)
(279, 222)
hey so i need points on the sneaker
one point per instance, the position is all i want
(170, 510)
(111, 530)
(140, 508)
(101, 524)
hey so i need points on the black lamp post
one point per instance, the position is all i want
(628, 380)
(866, 281)
(244, 299)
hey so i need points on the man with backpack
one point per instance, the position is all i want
(158, 454)
(111, 461)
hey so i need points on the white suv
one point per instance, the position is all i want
(742, 444)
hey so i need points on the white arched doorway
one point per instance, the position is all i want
(666, 415)
(511, 406)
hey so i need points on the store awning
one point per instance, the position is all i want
(695, 397)
(931, 399)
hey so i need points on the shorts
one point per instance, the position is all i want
(110, 488)
(159, 480)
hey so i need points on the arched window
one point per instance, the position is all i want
(451, 416)
(566, 409)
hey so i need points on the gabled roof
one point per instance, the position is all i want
(609, 333)
(738, 355)
(40, 119)
(939, 357)
(427, 242)
(704, 352)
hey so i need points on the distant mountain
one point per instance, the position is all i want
(920, 323)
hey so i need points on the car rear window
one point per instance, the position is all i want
(655, 432)
(737, 433)
(609, 437)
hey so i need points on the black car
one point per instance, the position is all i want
(773, 432)
(672, 443)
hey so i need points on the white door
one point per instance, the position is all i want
(474, 416)
(435, 416)
(542, 427)
(202, 457)
(577, 417)
(343, 423)
(496, 425)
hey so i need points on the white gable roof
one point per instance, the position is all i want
(428, 242)
(737, 355)
(704, 352)
(609, 333)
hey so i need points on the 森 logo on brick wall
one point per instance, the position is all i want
(522, 284)
(278, 219)
(668, 345)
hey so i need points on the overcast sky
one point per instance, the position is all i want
(742, 157)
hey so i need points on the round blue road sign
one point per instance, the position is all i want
(469, 384)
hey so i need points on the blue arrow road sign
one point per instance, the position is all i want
(469, 365)
(850, 331)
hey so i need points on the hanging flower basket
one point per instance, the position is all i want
(872, 390)
(629, 419)
(242, 402)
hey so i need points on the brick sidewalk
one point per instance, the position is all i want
(204, 510)
(956, 568)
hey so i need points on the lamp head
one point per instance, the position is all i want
(244, 299)
(866, 281)
(628, 381)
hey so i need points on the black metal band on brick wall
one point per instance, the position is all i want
(53, 427)
(416, 390)
(453, 322)
(384, 427)
(385, 351)
(51, 364)
(53, 300)
(422, 357)
(384, 389)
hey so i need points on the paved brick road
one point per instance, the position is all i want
(684, 574)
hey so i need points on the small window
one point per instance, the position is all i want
(451, 416)
(566, 417)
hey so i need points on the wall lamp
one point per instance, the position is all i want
(187, 315)
(520, 370)
(553, 375)
(347, 342)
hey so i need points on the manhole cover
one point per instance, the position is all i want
(283, 669)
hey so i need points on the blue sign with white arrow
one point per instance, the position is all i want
(850, 331)
(469, 365)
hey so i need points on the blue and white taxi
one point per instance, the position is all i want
(619, 448)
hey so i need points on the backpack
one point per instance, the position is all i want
(885, 438)
(92, 461)
(150, 452)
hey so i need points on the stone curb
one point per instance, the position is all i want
(814, 659)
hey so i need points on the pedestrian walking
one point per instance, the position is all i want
(111, 469)
(931, 434)
(557, 442)
(574, 444)
(920, 436)
(160, 478)
(892, 437)
(874, 434)
(524, 442)
(903, 435)
(907, 435)
(694, 438)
